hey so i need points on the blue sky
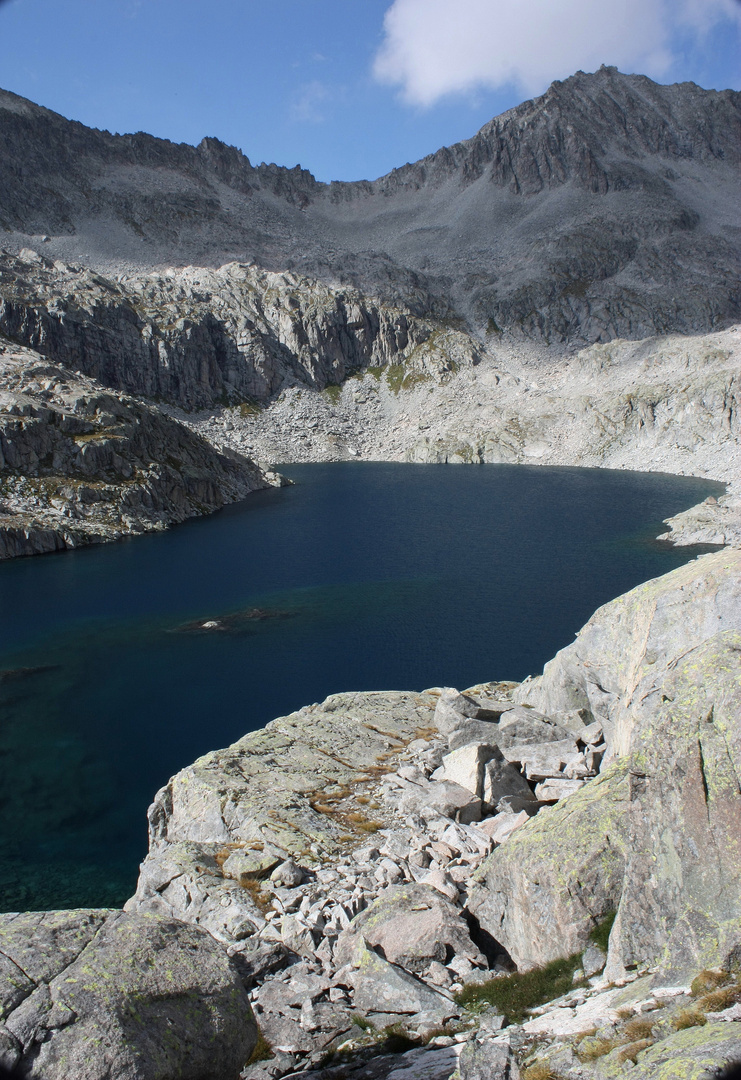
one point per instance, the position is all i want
(346, 88)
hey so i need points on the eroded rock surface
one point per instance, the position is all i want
(100, 994)
(616, 667)
(334, 862)
(200, 337)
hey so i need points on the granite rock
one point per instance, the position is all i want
(94, 994)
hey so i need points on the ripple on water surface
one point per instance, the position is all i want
(362, 576)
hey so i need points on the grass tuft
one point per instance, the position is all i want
(334, 392)
(262, 1051)
(591, 1049)
(631, 1052)
(707, 981)
(541, 1070)
(263, 901)
(720, 999)
(687, 1018)
(638, 1029)
(513, 995)
(363, 1023)
(600, 934)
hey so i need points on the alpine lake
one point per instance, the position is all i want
(122, 663)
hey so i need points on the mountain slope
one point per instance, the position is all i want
(607, 207)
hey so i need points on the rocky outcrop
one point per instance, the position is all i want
(374, 864)
(197, 337)
(354, 862)
(714, 521)
(605, 208)
(655, 838)
(332, 856)
(621, 658)
(98, 994)
(80, 464)
(543, 906)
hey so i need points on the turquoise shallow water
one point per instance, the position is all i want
(362, 576)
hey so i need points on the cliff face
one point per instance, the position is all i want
(656, 838)
(200, 337)
(607, 207)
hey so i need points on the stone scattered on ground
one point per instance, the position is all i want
(332, 849)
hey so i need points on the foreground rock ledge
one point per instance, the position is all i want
(370, 856)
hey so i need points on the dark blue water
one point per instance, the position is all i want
(372, 576)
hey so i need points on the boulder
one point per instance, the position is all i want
(472, 731)
(522, 724)
(697, 1053)
(289, 874)
(488, 1059)
(552, 790)
(542, 760)
(96, 994)
(541, 893)
(680, 905)
(501, 827)
(656, 835)
(593, 960)
(442, 798)
(452, 709)
(443, 883)
(465, 766)
(382, 987)
(514, 804)
(246, 865)
(504, 781)
(411, 926)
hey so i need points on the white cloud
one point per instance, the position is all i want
(433, 48)
(308, 104)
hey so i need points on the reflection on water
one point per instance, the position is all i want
(120, 664)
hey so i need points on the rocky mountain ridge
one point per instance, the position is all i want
(607, 207)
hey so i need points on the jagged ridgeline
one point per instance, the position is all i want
(607, 207)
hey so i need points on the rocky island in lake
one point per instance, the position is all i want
(537, 879)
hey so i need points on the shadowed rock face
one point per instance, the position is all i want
(606, 207)
(198, 338)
